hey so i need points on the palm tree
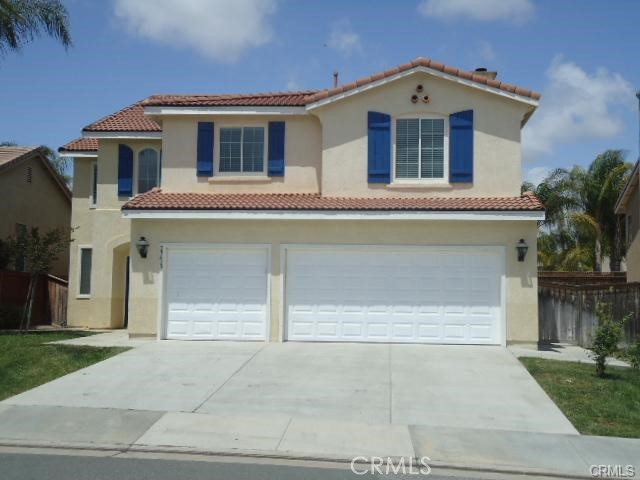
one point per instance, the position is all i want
(581, 227)
(23, 20)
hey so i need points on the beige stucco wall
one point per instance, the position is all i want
(40, 203)
(632, 259)
(104, 230)
(521, 278)
(303, 147)
(497, 157)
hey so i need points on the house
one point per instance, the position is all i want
(384, 210)
(34, 195)
(628, 206)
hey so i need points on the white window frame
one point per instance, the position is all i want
(79, 271)
(93, 178)
(136, 153)
(445, 145)
(218, 126)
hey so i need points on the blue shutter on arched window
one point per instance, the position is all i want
(379, 147)
(125, 171)
(461, 147)
(205, 149)
(276, 149)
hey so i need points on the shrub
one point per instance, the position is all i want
(10, 316)
(633, 354)
(608, 336)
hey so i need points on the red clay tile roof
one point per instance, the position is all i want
(273, 99)
(129, 119)
(80, 145)
(157, 200)
(428, 63)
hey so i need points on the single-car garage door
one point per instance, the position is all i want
(394, 294)
(216, 293)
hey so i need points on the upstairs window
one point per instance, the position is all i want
(242, 150)
(421, 148)
(148, 170)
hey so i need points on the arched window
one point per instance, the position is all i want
(148, 170)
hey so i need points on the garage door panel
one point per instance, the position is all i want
(426, 294)
(215, 293)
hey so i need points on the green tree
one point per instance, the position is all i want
(581, 227)
(23, 20)
(39, 251)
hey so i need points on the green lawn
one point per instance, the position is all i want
(26, 362)
(596, 406)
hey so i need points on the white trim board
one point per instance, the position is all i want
(330, 215)
(429, 71)
(124, 135)
(239, 110)
(79, 154)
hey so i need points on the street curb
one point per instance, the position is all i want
(124, 448)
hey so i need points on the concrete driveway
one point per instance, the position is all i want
(447, 386)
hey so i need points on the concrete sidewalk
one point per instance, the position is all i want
(280, 436)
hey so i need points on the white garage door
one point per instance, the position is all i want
(216, 293)
(395, 294)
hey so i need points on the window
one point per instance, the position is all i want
(242, 150)
(94, 184)
(85, 271)
(29, 174)
(420, 148)
(148, 170)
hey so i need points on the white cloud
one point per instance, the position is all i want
(486, 51)
(219, 29)
(576, 105)
(512, 11)
(343, 38)
(292, 84)
(536, 175)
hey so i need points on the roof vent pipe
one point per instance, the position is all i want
(335, 79)
(482, 71)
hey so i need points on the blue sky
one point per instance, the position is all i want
(581, 55)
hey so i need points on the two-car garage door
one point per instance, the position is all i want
(338, 293)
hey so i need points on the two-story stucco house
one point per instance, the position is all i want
(383, 210)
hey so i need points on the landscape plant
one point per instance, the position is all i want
(607, 337)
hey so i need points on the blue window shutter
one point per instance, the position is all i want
(379, 147)
(125, 171)
(205, 149)
(461, 147)
(276, 149)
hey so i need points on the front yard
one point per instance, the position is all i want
(596, 406)
(26, 361)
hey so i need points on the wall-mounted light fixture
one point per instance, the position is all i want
(143, 247)
(522, 248)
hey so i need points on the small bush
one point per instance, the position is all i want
(633, 354)
(608, 335)
(10, 316)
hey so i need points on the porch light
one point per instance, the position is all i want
(143, 246)
(522, 248)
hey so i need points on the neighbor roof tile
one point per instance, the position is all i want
(80, 145)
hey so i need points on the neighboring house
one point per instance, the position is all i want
(33, 195)
(384, 210)
(628, 206)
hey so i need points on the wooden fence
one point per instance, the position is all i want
(567, 304)
(50, 304)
